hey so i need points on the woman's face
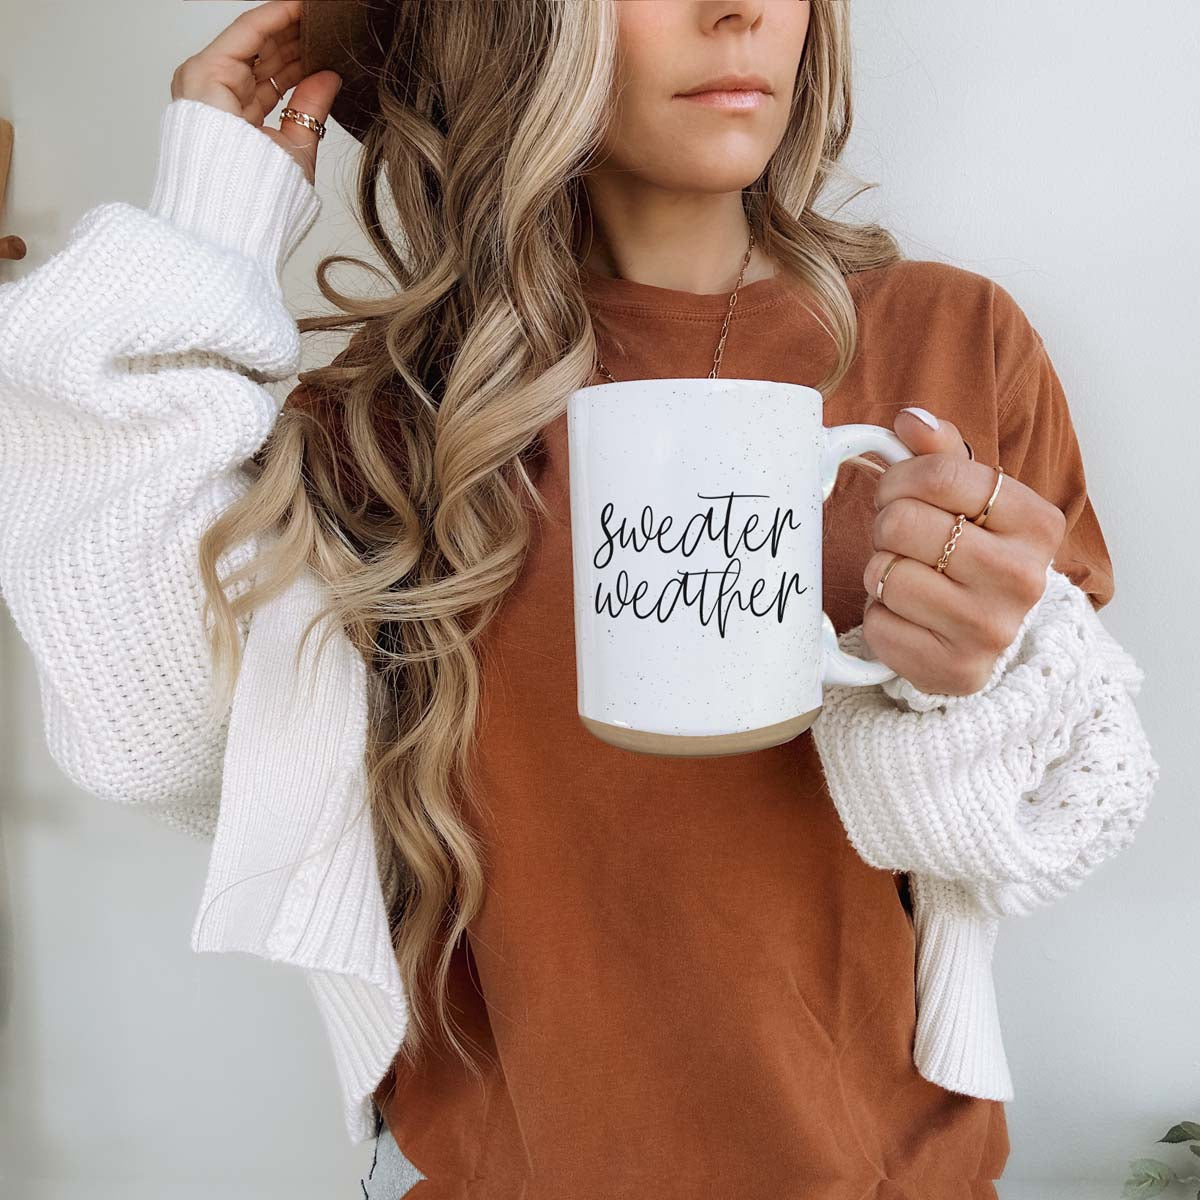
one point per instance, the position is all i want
(715, 142)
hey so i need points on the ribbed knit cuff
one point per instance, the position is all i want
(226, 181)
(365, 1028)
(959, 1043)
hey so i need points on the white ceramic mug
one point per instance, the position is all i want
(696, 530)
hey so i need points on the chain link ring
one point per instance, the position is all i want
(302, 118)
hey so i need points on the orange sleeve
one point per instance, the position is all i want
(1038, 446)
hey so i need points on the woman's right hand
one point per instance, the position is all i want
(222, 75)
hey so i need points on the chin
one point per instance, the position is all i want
(713, 173)
(733, 158)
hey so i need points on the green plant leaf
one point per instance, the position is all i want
(1185, 1131)
(1149, 1178)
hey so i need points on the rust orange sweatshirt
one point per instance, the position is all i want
(685, 980)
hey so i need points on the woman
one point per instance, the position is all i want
(613, 974)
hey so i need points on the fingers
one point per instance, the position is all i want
(924, 432)
(918, 654)
(959, 485)
(274, 58)
(920, 530)
(276, 52)
(920, 595)
(313, 95)
(223, 74)
(951, 624)
(279, 67)
(243, 38)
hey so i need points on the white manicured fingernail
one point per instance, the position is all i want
(922, 415)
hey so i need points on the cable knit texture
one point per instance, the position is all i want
(132, 366)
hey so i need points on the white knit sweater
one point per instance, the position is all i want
(132, 366)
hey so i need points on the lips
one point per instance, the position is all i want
(730, 83)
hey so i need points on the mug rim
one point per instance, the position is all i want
(696, 382)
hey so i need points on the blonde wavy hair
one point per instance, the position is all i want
(398, 472)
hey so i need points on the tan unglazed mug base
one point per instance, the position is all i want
(690, 745)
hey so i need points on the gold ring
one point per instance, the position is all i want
(275, 86)
(948, 549)
(987, 508)
(302, 118)
(886, 572)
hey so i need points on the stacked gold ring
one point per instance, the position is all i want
(987, 508)
(254, 63)
(956, 530)
(302, 118)
(271, 79)
(948, 549)
(886, 572)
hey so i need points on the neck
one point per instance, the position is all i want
(693, 242)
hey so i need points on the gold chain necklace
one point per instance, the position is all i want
(716, 367)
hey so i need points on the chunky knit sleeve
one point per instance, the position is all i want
(132, 366)
(1017, 792)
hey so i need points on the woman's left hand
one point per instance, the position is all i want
(943, 631)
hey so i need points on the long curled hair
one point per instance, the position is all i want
(398, 472)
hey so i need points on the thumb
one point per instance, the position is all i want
(924, 433)
(313, 95)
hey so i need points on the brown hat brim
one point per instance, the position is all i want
(349, 37)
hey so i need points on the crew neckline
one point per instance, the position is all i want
(627, 295)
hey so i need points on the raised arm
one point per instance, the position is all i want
(132, 366)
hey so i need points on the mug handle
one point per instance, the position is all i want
(843, 442)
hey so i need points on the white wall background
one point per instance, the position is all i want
(1052, 147)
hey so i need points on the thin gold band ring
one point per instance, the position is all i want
(987, 508)
(886, 572)
(254, 63)
(955, 531)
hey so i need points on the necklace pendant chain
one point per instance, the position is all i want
(716, 367)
